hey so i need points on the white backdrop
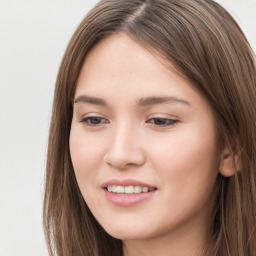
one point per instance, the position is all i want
(33, 37)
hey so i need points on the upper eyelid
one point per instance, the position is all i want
(88, 117)
(169, 119)
(162, 115)
(92, 114)
(147, 117)
(155, 116)
(166, 118)
(147, 120)
(86, 121)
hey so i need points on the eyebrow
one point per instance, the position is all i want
(159, 100)
(91, 100)
(148, 101)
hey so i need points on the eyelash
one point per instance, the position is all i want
(168, 121)
(88, 120)
(155, 121)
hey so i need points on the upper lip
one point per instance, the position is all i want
(126, 182)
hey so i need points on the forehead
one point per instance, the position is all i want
(118, 68)
(120, 57)
(121, 53)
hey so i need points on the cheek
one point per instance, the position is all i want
(187, 162)
(86, 157)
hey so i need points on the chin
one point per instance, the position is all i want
(126, 235)
(128, 232)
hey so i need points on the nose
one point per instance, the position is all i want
(124, 149)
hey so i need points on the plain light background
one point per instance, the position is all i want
(33, 37)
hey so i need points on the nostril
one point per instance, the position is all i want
(124, 161)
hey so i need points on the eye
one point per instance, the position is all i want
(158, 121)
(94, 120)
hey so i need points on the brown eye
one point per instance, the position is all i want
(94, 120)
(162, 121)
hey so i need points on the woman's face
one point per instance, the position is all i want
(142, 131)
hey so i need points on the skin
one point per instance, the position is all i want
(179, 158)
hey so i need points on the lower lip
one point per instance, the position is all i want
(127, 199)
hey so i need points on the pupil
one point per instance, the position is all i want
(95, 120)
(160, 121)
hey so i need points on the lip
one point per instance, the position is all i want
(126, 199)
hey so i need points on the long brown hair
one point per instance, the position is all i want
(207, 47)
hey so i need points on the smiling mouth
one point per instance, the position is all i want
(117, 189)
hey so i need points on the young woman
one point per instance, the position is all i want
(152, 147)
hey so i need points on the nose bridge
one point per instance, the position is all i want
(124, 148)
(124, 133)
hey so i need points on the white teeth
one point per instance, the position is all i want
(128, 189)
(113, 188)
(137, 189)
(119, 189)
(144, 189)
